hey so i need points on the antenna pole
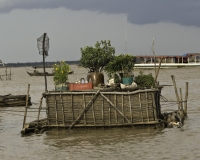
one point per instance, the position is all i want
(154, 54)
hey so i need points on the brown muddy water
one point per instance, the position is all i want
(119, 143)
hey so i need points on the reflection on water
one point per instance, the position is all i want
(116, 143)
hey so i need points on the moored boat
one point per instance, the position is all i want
(36, 73)
(40, 74)
(14, 100)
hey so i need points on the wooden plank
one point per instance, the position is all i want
(72, 108)
(147, 106)
(63, 110)
(56, 112)
(102, 108)
(93, 114)
(154, 106)
(131, 115)
(123, 107)
(84, 108)
(142, 117)
(115, 103)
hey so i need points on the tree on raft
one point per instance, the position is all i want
(95, 58)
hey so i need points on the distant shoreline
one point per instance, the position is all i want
(35, 64)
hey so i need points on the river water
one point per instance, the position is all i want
(122, 143)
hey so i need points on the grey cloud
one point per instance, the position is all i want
(183, 12)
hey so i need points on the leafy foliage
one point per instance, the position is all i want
(124, 63)
(145, 80)
(61, 72)
(95, 58)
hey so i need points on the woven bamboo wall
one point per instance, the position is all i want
(106, 109)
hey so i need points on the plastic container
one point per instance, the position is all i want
(127, 80)
(81, 86)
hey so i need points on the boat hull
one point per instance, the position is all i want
(42, 73)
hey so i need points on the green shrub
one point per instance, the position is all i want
(144, 80)
(61, 72)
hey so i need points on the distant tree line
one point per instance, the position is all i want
(26, 64)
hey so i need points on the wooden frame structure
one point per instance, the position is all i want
(98, 108)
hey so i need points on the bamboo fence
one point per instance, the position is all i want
(102, 109)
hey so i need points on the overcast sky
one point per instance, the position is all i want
(71, 24)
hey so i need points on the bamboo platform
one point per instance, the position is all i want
(14, 100)
(102, 109)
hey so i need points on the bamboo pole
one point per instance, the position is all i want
(186, 97)
(63, 110)
(181, 104)
(6, 73)
(47, 108)
(109, 112)
(154, 106)
(123, 106)
(72, 107)
(10, 73)
(147, 107)
(84, 108)
(177, 96)
(102, 106)
(141, 108)
(27, 97)
(56, 110)
(115, 103)
(39, 109)
(157, 71)
(93, 114)
(181, 99)
(130, 105)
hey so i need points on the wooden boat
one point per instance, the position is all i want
(42, 73)
(185, 60)
(14, 100)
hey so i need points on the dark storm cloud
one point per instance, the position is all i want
(184, 12)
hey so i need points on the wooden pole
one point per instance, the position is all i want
(186, 97)
(157, 71)
(181, 105)
(43, 48)
(6, 73)
(27, 98)
(181, 99)
(39, 109)
(10, 73)
(175, 89)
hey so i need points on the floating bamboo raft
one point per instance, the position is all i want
(106, 108)
(103, 109)
(14, 100)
